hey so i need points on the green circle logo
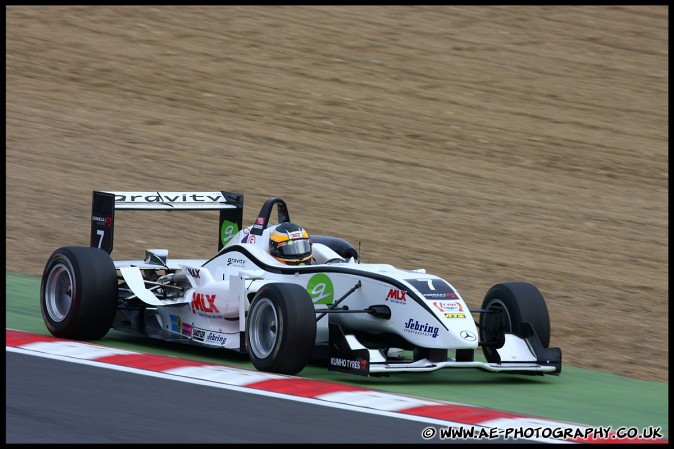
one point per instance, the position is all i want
(320, 289)
(227, 231)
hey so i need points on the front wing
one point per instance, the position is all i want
(518, 355)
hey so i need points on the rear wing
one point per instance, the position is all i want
(104, 205)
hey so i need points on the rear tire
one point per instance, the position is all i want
(78, 293)
(281, 328)
(512, 304)
(342, 247)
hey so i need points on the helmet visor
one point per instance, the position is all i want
(294, 248)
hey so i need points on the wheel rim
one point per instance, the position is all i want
(59, 292)
(263, 328)
(496, 323)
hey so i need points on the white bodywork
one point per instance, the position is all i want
(215, 295)
(212, 312)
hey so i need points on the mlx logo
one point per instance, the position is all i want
(200, 300)
(397, 295)
(194, 272)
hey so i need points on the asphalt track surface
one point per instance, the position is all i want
(53, 401)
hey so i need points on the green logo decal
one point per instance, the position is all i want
(227, 231)
(320, 289)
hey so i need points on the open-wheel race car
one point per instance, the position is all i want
(365, 318)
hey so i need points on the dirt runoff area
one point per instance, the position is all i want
(483, 143)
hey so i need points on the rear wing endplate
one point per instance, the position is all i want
(104, 205)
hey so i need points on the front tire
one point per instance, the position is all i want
(78, 293)
(510, 304)
(281, 328)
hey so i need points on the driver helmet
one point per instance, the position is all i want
(290, 244)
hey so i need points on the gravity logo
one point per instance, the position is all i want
(171, 197)
(236, 262)
(320, 289)
(227, 231)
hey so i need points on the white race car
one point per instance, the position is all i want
(365, 318)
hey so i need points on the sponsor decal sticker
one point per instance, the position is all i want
(397, 296)
(204, 304)
(198, 334)
(448, 295)
(187, 329)
(176, 323)
(105, 221)
(194, 272)
(320, 289)
(455, 315)
(415, 327)
(236, 262)
(215, 337)
(349, 364)
(453, 306)
(171, 197)
(227, 231)
(179, 327)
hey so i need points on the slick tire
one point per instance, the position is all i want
(78, 293)
(342, 247)
(281, 328)
(510, 304)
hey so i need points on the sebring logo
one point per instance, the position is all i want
(415, 327)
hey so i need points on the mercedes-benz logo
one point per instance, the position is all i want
(469, 336)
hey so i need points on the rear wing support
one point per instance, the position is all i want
(104, 204)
